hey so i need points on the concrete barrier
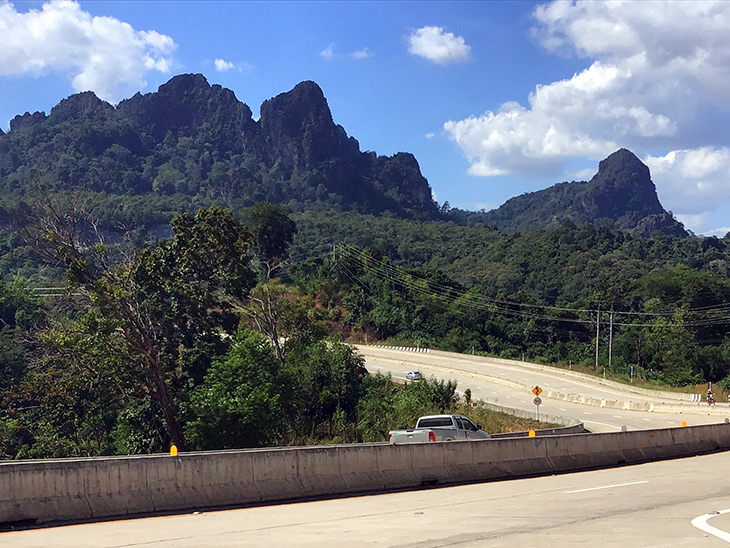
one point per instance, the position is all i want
(54, 491)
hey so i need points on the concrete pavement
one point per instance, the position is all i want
(649, 505)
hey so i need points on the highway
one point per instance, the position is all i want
(495, 381)
(681, 502)
(649, 505)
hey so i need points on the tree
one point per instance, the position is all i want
(170, 302)
(239, 404)
(273, 231)
(328, 377)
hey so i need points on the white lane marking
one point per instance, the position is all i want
(670, 422)
(646, 419)
(493, 392)
(603, 424)
(507, 397)
(563, 409)
(606, 487)
(617, 416)
(587, 413)
(701, 523)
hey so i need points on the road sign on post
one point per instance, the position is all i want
(537, 390)
(537, 401)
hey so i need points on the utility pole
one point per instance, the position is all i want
(610, 339)
(598, 330)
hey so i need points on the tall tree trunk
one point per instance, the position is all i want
(167, 403)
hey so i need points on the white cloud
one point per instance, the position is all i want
(363, 53)
(692, 181)
(101, 54)
(438, 46)
(328, 52)
(720, 232)
(222, 65)
(430, 135)
(658, 79)
(692, 222)
(583, 174)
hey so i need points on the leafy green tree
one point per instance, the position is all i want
(239, 403)
(273, 231)
(328, 378)
(171, 302)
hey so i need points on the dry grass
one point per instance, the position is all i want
(496, 422)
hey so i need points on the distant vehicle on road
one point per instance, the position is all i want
(414, 376)
(439, 428)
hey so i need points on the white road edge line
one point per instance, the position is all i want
(701, 523)
(602, 424)
(607, 487)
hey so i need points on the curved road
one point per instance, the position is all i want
(507, 383)
(681, 502)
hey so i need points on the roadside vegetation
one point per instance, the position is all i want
(231, 333)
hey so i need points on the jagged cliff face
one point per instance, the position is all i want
(621, 194)
(193, 138)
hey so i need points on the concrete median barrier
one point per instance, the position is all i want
(56, 491)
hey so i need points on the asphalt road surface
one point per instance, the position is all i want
(492, 381)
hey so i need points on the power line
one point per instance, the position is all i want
(435, 289)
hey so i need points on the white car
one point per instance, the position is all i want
(414, 376)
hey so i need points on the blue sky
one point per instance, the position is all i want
(494, 98)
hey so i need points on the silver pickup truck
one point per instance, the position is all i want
(439, 428)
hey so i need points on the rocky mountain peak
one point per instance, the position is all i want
(620, 194)
(622, 188)
(84, 105)
(193, 138)
(297, 126)
(179, 87)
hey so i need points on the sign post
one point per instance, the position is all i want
(537, 401)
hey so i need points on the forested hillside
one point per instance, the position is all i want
(620, 195)
(193, 142)
(173, 319)
(537, 293)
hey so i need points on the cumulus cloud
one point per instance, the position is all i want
(328, 53)
(430, 135)
(363, 53)
(101, 54)
(692, 179)
(438, 46)
(658, 79)
(222, 65)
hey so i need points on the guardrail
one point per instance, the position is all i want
(53, 491)
(420, 349)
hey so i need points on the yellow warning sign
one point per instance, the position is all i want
(537, 390)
